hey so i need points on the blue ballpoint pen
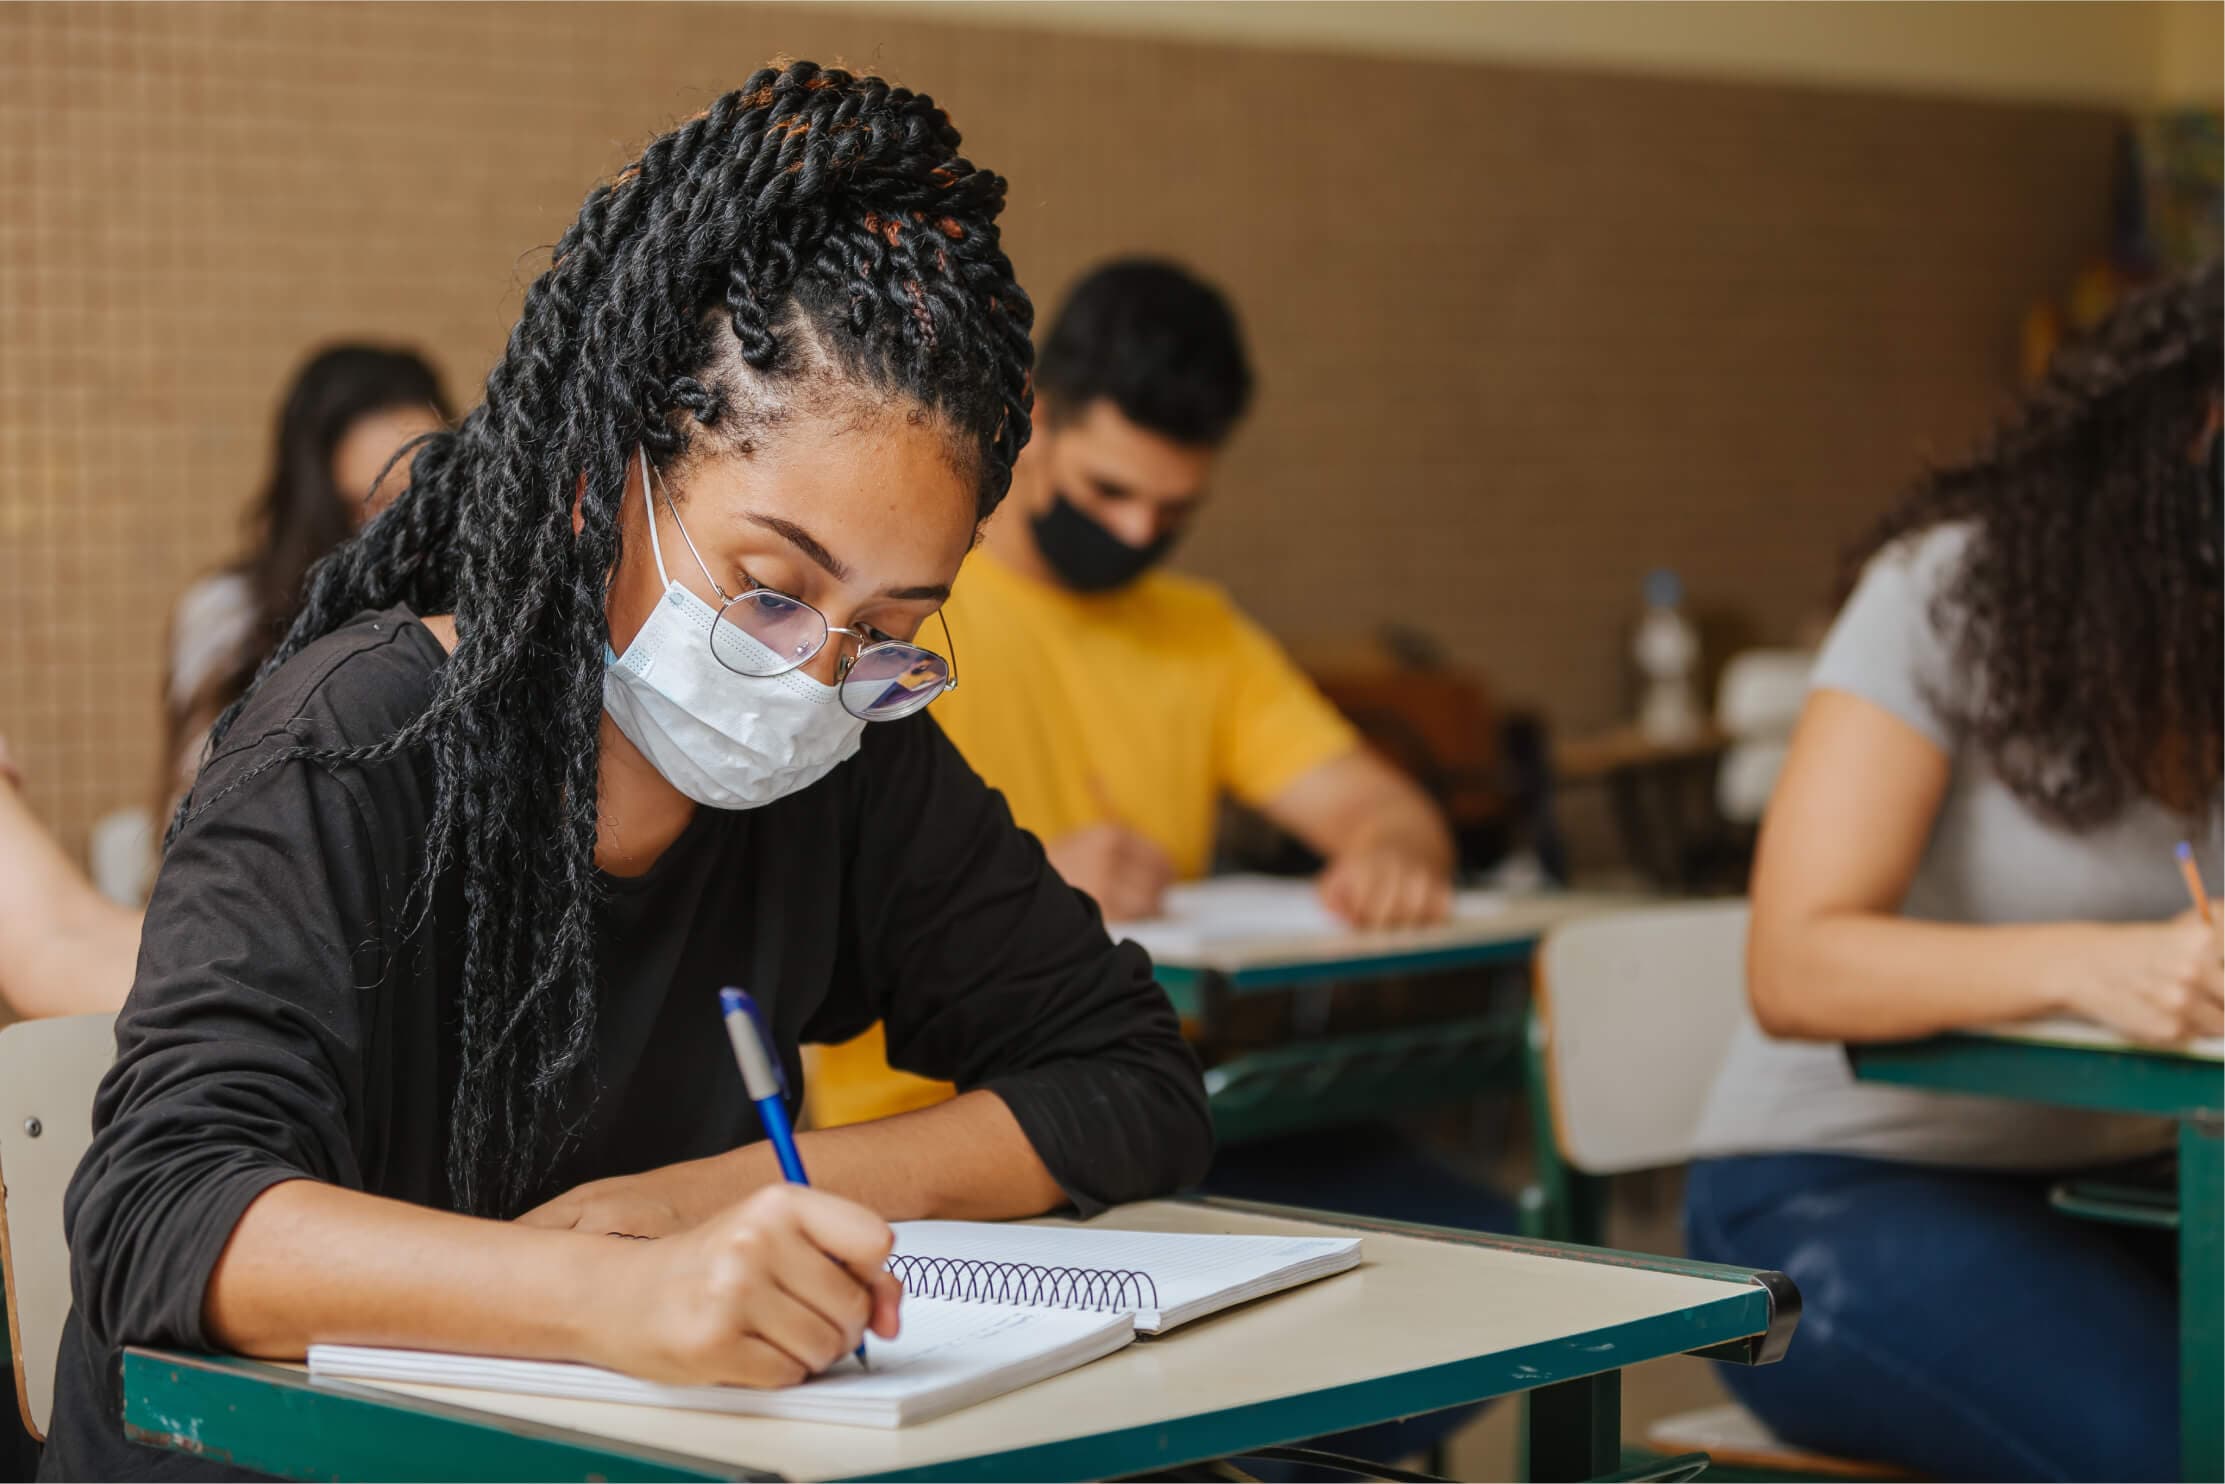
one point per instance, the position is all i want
(767, 1088)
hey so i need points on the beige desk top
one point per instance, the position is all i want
(1522, 918)
(1413, 1303)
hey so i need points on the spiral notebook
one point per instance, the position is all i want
(987, 1309)
(1162, 1279)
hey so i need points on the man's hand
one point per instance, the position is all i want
(1126, 873)
(1383, 886)
(1390, 855)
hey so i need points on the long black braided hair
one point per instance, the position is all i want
(2086, 611)
(809, 228)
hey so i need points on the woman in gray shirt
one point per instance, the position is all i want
(2014, 721)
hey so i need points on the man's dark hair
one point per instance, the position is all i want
(1161, 343)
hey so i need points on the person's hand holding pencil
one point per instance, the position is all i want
(2161, 983)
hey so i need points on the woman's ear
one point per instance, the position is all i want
(579, 498)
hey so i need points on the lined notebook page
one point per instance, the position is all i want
(1231, 909)
(949, 1356)
(1191, 1274)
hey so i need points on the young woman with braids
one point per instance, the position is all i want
(2014, 720)
(64, 948)
(601, 715)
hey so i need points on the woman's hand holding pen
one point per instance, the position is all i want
(2159, 982)
(749, 1298)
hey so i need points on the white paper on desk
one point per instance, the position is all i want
(949, 1355)
(2071, 1030)
(1232, 909)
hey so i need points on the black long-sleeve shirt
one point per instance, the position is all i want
(286, 1022)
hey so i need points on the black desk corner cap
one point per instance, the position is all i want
(1784, 1316)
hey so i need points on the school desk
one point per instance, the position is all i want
(1662, 795)
(2072, 1064)
(1350, 1077)
(1430, 1319)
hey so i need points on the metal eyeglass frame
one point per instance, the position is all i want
(865, 642)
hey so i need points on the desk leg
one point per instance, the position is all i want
(2201, 1299)
(1575, 1429)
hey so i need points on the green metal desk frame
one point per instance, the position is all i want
(2190, 1090)
(1340, 1079)
(257, 1416)
(1350, 1078)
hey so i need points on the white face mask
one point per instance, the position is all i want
(724, 740)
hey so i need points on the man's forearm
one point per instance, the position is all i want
(1410, 827)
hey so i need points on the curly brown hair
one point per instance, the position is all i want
(2085, 614)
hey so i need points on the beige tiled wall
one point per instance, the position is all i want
(1523, 334)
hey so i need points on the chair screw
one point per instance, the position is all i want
(33, 1127)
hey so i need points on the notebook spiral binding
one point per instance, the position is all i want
(973, 1281)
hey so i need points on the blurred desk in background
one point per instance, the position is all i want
(1663, 797)
(1311, 1030)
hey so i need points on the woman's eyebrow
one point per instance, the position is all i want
(934, 592)
(808, 544)
(804, 542)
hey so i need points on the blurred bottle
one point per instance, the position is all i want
(1667, 649)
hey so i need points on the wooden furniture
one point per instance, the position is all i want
(1662, 795)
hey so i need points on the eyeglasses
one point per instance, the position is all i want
(761, 633)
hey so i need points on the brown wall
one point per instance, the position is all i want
(1524, 334)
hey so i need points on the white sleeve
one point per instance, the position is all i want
(211, 624)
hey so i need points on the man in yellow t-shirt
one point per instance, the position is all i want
(1114, 703)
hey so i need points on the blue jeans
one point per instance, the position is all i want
(1363, 1170)
(1951, 1322)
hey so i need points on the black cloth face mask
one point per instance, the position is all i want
(1087, 557)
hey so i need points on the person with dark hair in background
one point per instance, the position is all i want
(2015, 719)
(66, 949)
(1143, 695)
(1121, 702)
(350, 411)
(1114, 704)
(588, 724)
